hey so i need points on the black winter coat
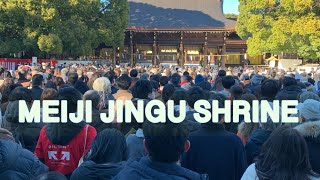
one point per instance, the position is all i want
(289, 93)
(255, 142)
(311, 133)
(215, 152)
(146, 169)
(36, 92)
(17, 163)
(26, 133)
(89, 170)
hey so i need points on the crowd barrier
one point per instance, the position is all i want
(11, 63)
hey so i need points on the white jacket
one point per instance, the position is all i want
(251, 174)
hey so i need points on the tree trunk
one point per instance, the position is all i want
(114, 56)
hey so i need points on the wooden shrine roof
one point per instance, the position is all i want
(171, 15)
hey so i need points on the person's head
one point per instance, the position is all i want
(222, 73)
(164, 80)
(134, 73)
(199, 79)
(284, 156)
(288, 81)
(236, 92)
(22, 73)
(165, 142)
(228, 82)
(80, 73)
(59, 81)
(186, 73)
(244, 77)
(205, 85)
(50, 84)
(72, 78)
(102, 84)
(124, 82)
(93, 77)
(7, 81)
(37, 80)
(49, 94)
(144, 76)
(21, 93)
(142, 89)
(64, 72)
(154, 84)
(71, 95)
(111, 75)
(309, 110)
(249, 98)
(178, 96)
(93, 96)
(269, 88)
(175, 79)
(257, 79)
(194, 94)
(167, 92)
(109, 146)
(308, 95)
(51, 176)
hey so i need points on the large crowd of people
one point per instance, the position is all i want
(184, 151)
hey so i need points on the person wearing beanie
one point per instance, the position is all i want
(256, 80)
(309, 115)
(308, 95)
(199, 79)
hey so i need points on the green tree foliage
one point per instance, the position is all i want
(276, 26)
(61, 27)
(50, 44)
(231, 16)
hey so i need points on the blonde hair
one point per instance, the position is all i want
(102, 84)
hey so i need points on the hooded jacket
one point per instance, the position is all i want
(146, 169)
(311, 133)
(255, 142)
(61, 146)
(89, 170)
(27, 133)
(289, 93)
(17, 163)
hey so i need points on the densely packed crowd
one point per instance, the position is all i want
(189, 150)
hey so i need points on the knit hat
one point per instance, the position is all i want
(198, 79)
(244, 77)
(308, 95)
(310, 109)
(257, 79)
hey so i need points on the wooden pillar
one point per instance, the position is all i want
(154, 49)
(205, 50)
(181, 51)
(131, 50)
(224, 49)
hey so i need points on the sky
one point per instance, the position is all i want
(231, 6)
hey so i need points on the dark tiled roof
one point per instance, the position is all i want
(150, 16)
